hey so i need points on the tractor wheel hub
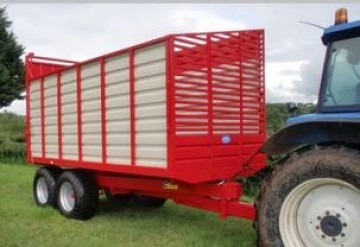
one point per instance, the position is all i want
(331, 226)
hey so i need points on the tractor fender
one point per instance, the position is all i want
(312, 133)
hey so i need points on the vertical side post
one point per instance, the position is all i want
(263, 105)
(28, 116)
(42, 113)
(210, 86)
(241, 82)
(241, 94)
(79, 111)
(170, 110)
(241, 86)
(103, 110)
(132, 105)
(59, 113)
(210, 100)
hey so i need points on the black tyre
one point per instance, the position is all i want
(148, 201)
(44, 186)
(118, 197)
(312, 200)
(77, 195)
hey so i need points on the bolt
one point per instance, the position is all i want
(338, 215)
(342, 234)
(344, 224)
(319, 217)
(327, 213)
(317, 227)
(334, 239)
(323, 236)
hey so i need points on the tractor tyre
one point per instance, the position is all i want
(313, 199)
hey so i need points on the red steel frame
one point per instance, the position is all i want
(196, 190)
(216, 197)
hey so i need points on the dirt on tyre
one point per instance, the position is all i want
(148, 201)
(313, 199)
(77, 195)
(44, 186)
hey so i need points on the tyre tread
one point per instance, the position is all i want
(50, 174)
(330, 161)
(86, 194)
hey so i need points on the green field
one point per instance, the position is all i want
(24, 224)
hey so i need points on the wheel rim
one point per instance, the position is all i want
(42, 190)
(67, 196)
(321, 212)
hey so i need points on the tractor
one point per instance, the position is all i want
(312, 196)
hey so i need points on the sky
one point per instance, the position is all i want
(294, 52)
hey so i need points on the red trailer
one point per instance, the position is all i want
(179, 117)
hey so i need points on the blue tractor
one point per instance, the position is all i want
(312, 197)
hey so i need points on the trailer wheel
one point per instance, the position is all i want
(77, 195)
(148, 201)
(44, 186)
(312, 200)
(118, 197)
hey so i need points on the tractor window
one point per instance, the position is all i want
(342, 81)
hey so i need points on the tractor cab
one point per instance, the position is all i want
(340, 89)
(337, 119)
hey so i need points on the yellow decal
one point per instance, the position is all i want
(170, 186)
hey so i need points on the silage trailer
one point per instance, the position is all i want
(183, 116)
(177, 117)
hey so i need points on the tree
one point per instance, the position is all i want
(276, 115)
(11, 66)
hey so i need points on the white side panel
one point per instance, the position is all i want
(35, 119)
(150, 111)
(51, 118)
(91, 112)
(69, 115)
(118, 109)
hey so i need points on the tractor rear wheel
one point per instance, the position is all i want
(312, 200)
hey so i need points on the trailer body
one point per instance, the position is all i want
(181, 116)
(187, 107)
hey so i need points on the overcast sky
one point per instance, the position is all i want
(294, 52)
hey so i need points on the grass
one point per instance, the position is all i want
(22, 223)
